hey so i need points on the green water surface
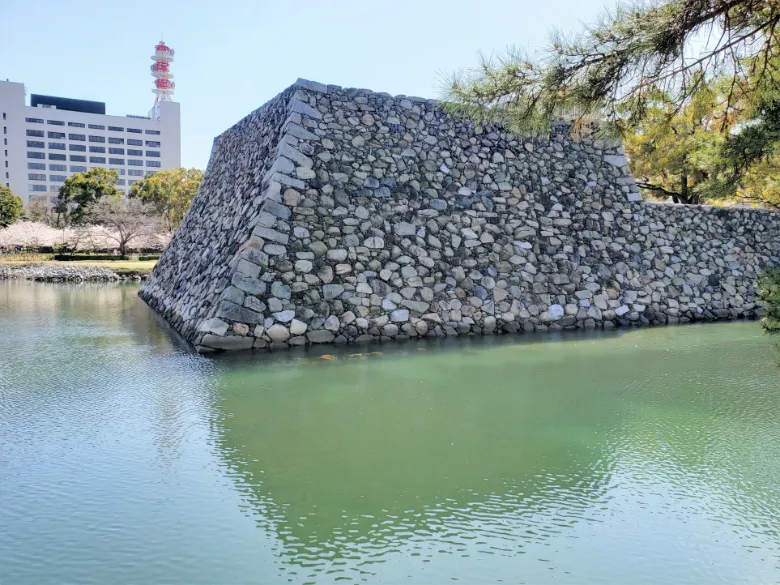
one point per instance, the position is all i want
(640, 457)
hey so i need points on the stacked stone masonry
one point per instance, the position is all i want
(335, 215)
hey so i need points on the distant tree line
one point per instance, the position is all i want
(11, 207)
(156, 203)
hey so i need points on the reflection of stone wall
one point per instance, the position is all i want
(332, 215)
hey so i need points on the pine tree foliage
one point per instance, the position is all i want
(612, 71)
(769, 290)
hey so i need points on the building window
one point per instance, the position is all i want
(116, 129)
(55, 156)
(134, 142)
(36, 177)
(36, 166)
(78, 169)
(35, 144)
(78, 158)
(80, 137)
(97, 149)
(116, 161)
(37, 188)
(116, 151)
(120, 171)
(77, 147)
(36, 154)
(55, 122)
(134, 130)
(57, 135)
(135, 163)
(157, 132)
(34, 120)
(153, 153)
(120, 182)
(75, 124)
(38, 133)
(97, 138)
(57, 178)
(57, 145)
(97, 160)
(97, 127)
(112, 140)
(152, 144)
(153, 163)
(61, 168)
(133, 152)
(135, 173)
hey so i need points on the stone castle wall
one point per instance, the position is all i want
(341, 215)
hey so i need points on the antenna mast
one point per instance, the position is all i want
(163, 78)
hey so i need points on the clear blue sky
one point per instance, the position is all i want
(234, 55)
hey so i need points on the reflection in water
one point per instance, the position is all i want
(645, 457)
(508, 450)
(361, 459)
(96, 315)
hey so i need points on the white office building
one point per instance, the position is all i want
(51, 138)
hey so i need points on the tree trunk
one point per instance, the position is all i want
(684, 196)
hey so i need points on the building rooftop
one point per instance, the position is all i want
(69, 104)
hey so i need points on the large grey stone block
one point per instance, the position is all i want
(253, 286)
(295, 155)
(297, 105)
(232, 312)
(312, 85)
(270, 235)
(216, 326)
(277, 209)
(228, 343)
(320, 336)
(233, 294)
(298, 132)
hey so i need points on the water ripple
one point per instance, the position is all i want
(646, 457)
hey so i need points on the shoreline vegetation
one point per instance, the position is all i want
(76, 272)
(769, 290)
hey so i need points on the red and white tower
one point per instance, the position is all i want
(163, 78)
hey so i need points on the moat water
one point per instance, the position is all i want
(643, 457)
